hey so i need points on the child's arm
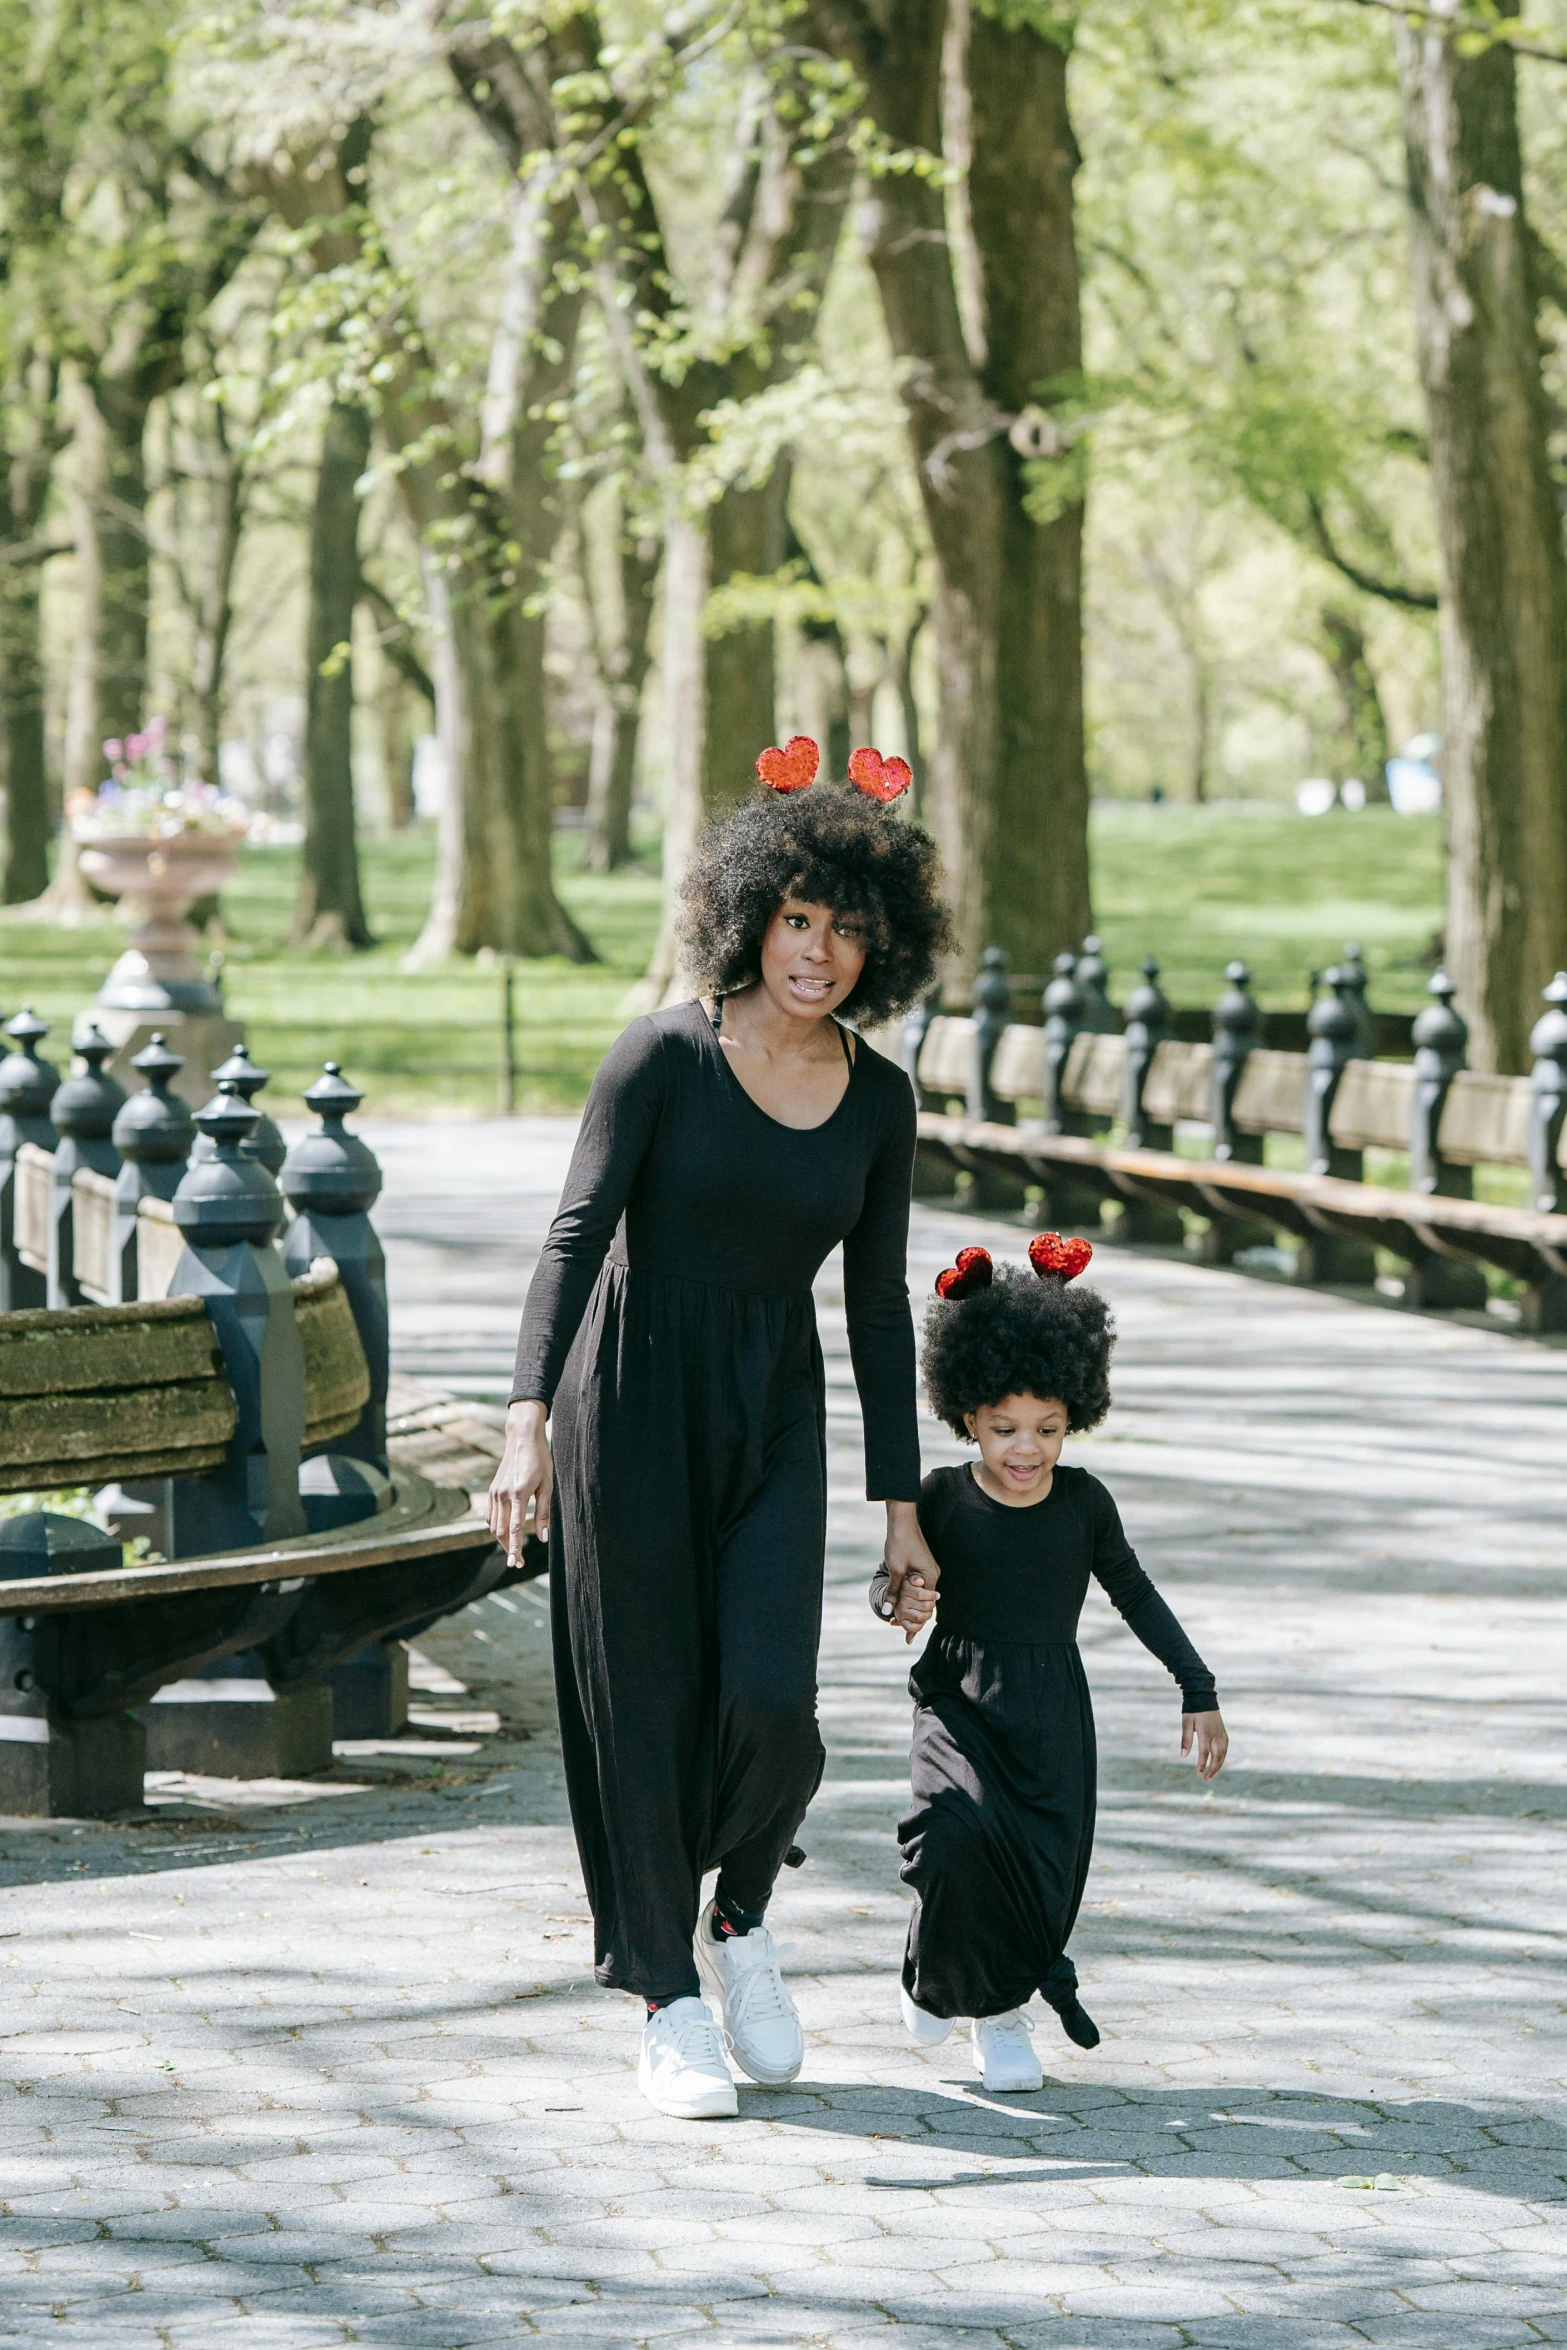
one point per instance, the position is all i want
(1148, 1614)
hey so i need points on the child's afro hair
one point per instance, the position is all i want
(1021, 1336)
(828, 846)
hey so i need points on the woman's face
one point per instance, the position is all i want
(811, 958)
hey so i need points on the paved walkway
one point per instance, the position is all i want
(328, 2068)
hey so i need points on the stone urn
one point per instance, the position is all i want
(159, 877)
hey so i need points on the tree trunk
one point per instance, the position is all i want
(1202, 725)
(330, 910)
(1362, 720)
(109, 681)
(1020, 201)
(685, 594)
(612, 776)
(908, 702)
(1007, 794)
(31, 394)
(1504, 600)
(216, 615)
(493, 885)
(24, 778)
(747, 533)
(396, 748)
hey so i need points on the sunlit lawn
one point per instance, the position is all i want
(1193, 886)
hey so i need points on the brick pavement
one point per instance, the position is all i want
(327, 2067)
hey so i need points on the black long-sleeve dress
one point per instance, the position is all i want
(670, 1325)
(1001, 1828)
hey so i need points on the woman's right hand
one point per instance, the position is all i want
(526, 1474)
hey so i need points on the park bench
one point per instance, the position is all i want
(1082, 1109)
(223, 1384)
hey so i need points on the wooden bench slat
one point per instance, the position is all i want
(1485, 1120)
(337, 1377)
(1091, 1080)
(424, 1521)
(87, 1349)
(947, 1054)
(1371, 1108)
(1017, 1070)
(185, 1429)
(1271, 1095)
(1175, 1090)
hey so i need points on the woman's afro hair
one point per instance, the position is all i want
(829, 846)
(1021, 1336)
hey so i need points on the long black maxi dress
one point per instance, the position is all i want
(671, 1328)
(1003, 1767)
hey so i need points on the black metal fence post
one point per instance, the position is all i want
(1237, 1026)
(332, 1179)
(153, 1133)
(82, 1114)
(228, 1208)
(27, 1087)
(992, 1011)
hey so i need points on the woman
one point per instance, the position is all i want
(669, 1336)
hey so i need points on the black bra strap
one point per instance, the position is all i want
(848, 1049)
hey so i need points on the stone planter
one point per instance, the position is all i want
(159, 879)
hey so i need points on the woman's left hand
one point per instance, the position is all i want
(1211, 1739)
(908, 1553)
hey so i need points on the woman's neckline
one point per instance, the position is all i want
(1011, 1509)
(781, 1124)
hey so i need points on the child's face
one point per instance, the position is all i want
(1020, 1440)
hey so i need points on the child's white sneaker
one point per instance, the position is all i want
(682, 2069)
(761, 2021)
(926, 2031)
(1004, 2051)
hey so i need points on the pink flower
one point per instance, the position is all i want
(120, 771)
(114, 749)
(157, 728)
(136, 746)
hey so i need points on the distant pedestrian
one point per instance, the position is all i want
(728, 1145)
(1000, 1832)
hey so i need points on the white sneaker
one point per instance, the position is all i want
(761, 2023)
(1004, 2051)
(681, 2069)
(926, 2031)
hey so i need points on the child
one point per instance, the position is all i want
(997, 1842)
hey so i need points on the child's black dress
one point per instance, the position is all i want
(997, 1841)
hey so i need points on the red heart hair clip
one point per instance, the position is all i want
(791, 769)
(879, 778)
(973, 1271)
(1053, 1257)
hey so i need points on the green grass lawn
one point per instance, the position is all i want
(1193, 886)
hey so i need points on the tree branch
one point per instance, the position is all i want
(1390, 591)
(1453, 21)
(393, 639)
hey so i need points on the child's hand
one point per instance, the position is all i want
(914, 1606)
(1211, 1738)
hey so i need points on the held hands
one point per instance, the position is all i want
(912, 1574)
(526, 1476)
(913, 1607)
(1211, 1739)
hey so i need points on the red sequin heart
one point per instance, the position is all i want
(879, 778)
(1049, 1254)
(972, 1271)
(794, 767)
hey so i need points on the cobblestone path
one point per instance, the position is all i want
(322, 2064)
